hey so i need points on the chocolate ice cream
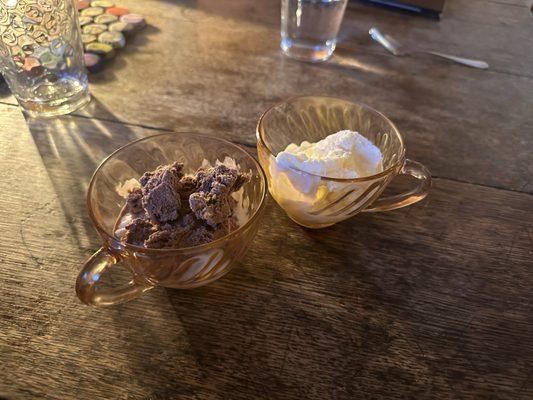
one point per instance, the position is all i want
(212, 201)
(161, 199)
(138, 231)
(173, 210)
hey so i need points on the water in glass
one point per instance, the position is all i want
(309, 28)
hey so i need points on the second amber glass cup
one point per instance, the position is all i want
(320, 201)
(182, 268)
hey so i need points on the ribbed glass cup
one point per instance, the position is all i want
(175, 268)
(312, 119)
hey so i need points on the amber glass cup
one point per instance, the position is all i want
(319, 201)
(174, 268)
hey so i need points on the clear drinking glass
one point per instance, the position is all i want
(41, 55)
(309, 28)
(313, 118)
(181, 268)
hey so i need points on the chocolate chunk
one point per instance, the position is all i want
(170, 235)
(212, 203)
(134, 201)
(161, 239)
(162, 203)
(138, 231)
(187, 186)
(217, 180)
(161, 199)
(211, 209)
(201, 234)
(170, 174)
(198, 236)
(188, 221)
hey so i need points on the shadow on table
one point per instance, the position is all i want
(4, 89)
(71, 148)
(296, 308)
(289, 322)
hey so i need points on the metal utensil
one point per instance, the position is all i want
(398, 50)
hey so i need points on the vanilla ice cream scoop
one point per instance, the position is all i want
(296, 171)
(345, 154)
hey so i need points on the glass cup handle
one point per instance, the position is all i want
(89, 278)
(416, 170)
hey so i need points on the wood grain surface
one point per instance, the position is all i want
(429, 302)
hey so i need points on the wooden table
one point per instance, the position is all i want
(432, 301)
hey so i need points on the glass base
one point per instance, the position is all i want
(56, 107)
(304, 51)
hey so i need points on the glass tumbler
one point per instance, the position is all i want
(181, 268)
(309, 28)
(319, 201)
(41, 55)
